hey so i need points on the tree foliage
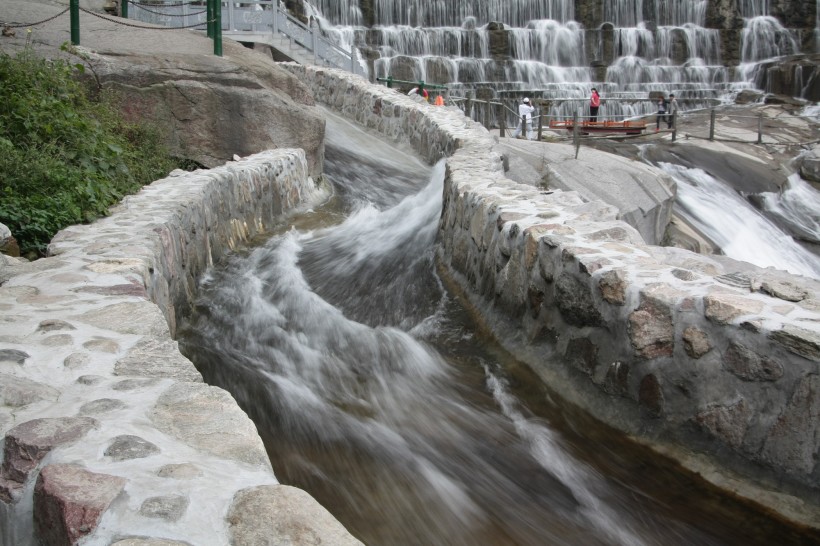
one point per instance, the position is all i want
(65, 156)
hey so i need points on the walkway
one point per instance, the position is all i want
(259, 21)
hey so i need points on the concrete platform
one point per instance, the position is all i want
(643, 195)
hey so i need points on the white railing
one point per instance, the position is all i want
(251, 17)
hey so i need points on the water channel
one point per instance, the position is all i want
(375, 391)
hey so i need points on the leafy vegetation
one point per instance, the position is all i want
(65, 156)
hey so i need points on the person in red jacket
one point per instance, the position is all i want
(594, 104)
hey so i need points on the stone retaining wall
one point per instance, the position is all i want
(712, 359)
(110, 434)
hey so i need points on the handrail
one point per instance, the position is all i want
(421, 84)
(255, 17)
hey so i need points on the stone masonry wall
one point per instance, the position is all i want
(720, 360)
(110, 436)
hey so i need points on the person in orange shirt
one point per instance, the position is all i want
(439, 100)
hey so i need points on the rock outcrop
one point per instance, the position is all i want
(797, 76)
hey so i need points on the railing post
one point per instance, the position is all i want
(124, 9)
(760, 128)
(231, 22)
(576, 136)
(209, 18)
(468, 105)
(674, 126)
(540, 126)
(74, 15)
(712, 124)
(501, 120)
(218, 28)
(275, 6)
(487, 116)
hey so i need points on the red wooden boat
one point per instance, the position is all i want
(602, 127)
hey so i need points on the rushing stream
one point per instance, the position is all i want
(374, 391)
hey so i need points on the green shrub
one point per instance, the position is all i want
(65, 158)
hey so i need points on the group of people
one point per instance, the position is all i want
(439, 100)
(667, 110)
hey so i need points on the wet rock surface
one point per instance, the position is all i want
(69, 502)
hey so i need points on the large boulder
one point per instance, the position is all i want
(810, 165)
(8, 244)
(69, 502)
(214, 108)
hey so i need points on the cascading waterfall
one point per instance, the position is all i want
(763, 37)
(742, 232)
(753, 8)
(646, 46)
(426, 13)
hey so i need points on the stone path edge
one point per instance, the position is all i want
(110, 435)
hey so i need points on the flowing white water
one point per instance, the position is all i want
(797, 206)
(373, 392)
(740, 230)
(652, 47)
(546, 449)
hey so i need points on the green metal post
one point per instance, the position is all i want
(218, 28)
(74, 7)
(389, 82)
(124, 8)
(209, 17)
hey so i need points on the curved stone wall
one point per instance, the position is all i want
(709, 360)
(110, 436)
(96, 397)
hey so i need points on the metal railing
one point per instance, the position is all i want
(578, 128)
(249, 18)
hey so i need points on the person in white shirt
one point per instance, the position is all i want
(525, 111)
(673, 111)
